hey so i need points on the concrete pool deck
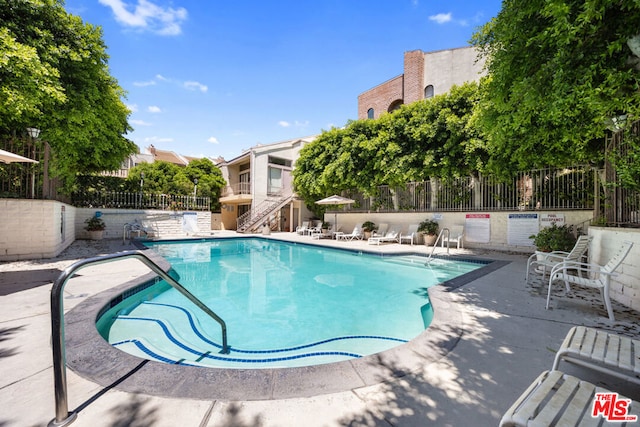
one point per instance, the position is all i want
(502, 340)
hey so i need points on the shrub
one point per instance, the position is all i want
(428, 226)
(94, 224)
(555, 238)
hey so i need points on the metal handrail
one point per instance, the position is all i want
(436, 243)
(63, 417)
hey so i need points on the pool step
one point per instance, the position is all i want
(193, 347)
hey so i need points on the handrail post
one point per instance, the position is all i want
(63, 416)
(442, 232)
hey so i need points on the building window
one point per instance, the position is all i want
(275, 184)
(279, 161)
(395, 105)
(370, 113)
(428, 92)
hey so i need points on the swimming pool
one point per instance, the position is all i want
(285, 304)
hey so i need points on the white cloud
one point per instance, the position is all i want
(302, 124)
(148, 16)
(195, 86)
(154, 109)
(284, 124)
(161, 77)
(153, 139)
(213, 140)
(139, 122)
(133, 108)
(143, 84)
(441, 18)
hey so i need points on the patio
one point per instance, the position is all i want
(502, 339)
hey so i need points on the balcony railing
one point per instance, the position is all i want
(236, 189)
(123, 200)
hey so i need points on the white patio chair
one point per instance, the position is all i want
(411, 235)
(301, 229)
(589, 275)
(456, 234)
(541, 261)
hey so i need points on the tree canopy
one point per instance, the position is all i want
(432, 137)
(167, 178)
(54, 76)
(559, 71)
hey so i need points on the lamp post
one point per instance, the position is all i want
(195, 188)
(141, 185)
(34, 133)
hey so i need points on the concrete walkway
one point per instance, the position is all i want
(504, 339)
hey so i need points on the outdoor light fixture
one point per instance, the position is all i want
(33, 132)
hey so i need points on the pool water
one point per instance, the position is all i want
(284, 304)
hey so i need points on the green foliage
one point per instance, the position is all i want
(369, 226)
(168, 178)
(428, 226)
(433, 137)
(555, 238)
(558, 71)
(626, 161)
(94, 224)
(54, 75)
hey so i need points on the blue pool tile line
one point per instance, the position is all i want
(208, 355)
(196, 331)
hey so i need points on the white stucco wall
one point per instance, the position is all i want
(445, 68)
(498, 224)
(32, 229)
(625, 286)
(161, 224)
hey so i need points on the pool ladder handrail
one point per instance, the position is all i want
(63, 417)
(442, 232)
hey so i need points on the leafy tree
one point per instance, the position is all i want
(54, 75)
(558, 71)
(168, 178)
(433, 137)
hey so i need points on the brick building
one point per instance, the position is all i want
(425, 74)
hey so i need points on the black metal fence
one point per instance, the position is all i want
(549, 189)
(124, 200)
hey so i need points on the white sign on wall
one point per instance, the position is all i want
(520, 227)
(546, 219)
(477, 228)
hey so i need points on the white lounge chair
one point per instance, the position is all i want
(393, 235)
(356, 234)
(314, 229)
(411, 235)
(301, 229)
(542, 261)
(381, 231)
(456, 234)
(601, 351)
(556, 398)
(589, 275)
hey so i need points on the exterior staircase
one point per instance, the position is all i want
(252, 220)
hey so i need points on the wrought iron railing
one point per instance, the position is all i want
(570, 188)
(124, 200)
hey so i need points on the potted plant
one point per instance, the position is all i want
(326, 226)
(368, 227)
(554, 238)
(95, 226)
(429, 230)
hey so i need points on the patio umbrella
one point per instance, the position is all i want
(8, 157)
(335, 200)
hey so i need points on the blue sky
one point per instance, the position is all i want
(212, 78)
